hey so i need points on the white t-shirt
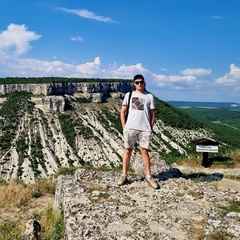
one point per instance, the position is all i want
(139, 110)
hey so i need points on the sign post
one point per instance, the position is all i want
(205, 146)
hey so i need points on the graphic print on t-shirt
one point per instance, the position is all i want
(138, 103)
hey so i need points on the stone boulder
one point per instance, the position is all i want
(32, 230)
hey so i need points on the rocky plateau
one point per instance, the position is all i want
(181, 209)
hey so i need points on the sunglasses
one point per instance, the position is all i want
(139, 82)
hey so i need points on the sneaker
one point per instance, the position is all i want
(152, 182)
(122, 180)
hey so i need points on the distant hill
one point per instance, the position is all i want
(222, 117)
(184, 104)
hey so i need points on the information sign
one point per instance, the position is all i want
(206, 148)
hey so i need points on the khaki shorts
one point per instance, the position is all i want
(131, 136)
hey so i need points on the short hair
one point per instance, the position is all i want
(138, 76)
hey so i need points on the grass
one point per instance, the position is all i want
(233, 207)
(9, 230)
(17, 195)
(54, 226)
(14, 194)
(219, 235)
(202, 177)
(71, 170)
(66, 171)
(215, 185)
(35, 200)
(217, 160)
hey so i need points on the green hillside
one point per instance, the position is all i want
(224, 122)
(175, 117)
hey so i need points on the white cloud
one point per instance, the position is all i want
(87, 14)
(234, 71)
(58, 67)
(232, 78)
(216, 17)
(164, 80)
(188, 79)
(16, 38)
(125, 71)
(25, 67)
(196, 71)
(161, 79)
(89, 68)
(80, 39)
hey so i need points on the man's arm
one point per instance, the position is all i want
(152, 117)
(122, 115)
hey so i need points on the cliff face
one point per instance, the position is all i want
(50, 97)
(50, 103)
(105, 88)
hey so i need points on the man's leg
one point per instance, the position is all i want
(146, 160)
(147, 165)
(126, 159)
(144, 143)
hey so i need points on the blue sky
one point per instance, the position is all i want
(188, 50)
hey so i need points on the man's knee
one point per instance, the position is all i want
(128, 150)
(144, 150)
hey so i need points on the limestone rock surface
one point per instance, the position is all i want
(96, 208)
(50, 103)
(48, 89)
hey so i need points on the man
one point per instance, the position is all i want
(138, 127)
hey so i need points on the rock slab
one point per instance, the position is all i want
(96, 208)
